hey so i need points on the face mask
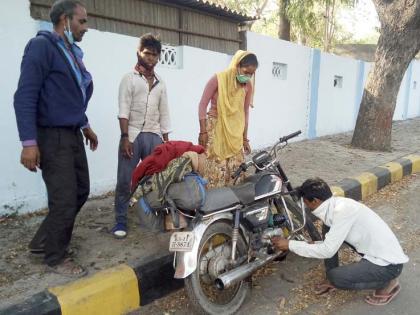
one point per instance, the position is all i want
(242, 78)
(68, 33)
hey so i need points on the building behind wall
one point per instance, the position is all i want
(195, 23)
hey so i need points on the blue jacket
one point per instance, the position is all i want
(48, 92)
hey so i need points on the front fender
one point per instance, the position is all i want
(186, 262)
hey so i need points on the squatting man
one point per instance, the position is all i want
(348, 221)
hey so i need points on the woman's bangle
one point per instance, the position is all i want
(203, 133)
(246, 140)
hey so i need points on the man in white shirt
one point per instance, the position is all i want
(144, 122)
(349, 221)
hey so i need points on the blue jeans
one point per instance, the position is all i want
(143, 146)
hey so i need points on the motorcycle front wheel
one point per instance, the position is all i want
(213, 259)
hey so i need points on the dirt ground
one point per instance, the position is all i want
(22, 275)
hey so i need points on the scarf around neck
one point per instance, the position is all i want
(142, 68)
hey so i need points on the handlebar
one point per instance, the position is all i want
(292, 135)
(244, 166)
(238, 171)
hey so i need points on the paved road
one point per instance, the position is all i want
(285, 287)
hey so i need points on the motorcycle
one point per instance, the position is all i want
(229, 237)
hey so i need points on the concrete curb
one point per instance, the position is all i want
(116, 290)
(369, 182)
(125, 288)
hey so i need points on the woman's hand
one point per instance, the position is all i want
(247, 147)
(203, 139)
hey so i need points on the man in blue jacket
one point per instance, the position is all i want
(50, 104)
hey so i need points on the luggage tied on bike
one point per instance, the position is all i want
(176, 187)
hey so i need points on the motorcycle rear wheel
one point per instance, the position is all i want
(205, 298)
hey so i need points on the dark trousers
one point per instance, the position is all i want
(143, 146)
(66, 175)
(363, 275)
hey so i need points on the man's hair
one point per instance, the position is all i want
(65, 7)
(249, 60)
(314, 188)
(151, 42)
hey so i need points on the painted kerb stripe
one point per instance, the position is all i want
(43, 303)
(352, 188)
(111, 291)
(383, 175)
(395, 169)
(337, 191)
(368, 183)
(406, 165)
(415, 162)
(156, 279)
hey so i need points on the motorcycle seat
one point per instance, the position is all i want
(219, 199)
(222, 198)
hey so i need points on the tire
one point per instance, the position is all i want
(310, 227)
(200, 302)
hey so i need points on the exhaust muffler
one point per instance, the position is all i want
(236, 275)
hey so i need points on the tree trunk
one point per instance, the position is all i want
(397, 45)
(284, 23)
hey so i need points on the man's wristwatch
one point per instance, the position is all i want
(124, 135)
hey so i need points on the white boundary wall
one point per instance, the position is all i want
(303, 98)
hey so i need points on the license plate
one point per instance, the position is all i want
(181, 242)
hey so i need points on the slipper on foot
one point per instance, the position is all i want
(383, 299)
(68, 268)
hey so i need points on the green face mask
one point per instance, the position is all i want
(242, 78)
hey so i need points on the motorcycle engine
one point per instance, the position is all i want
(269, 233)
(260, 242)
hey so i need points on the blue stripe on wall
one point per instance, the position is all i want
(313, 101)
(407, 91)
(359, 88)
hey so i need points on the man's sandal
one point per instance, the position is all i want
(383, 299)
(69, 268)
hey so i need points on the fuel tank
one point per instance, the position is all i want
(266, 184)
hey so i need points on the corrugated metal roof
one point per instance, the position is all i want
(213, 8)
